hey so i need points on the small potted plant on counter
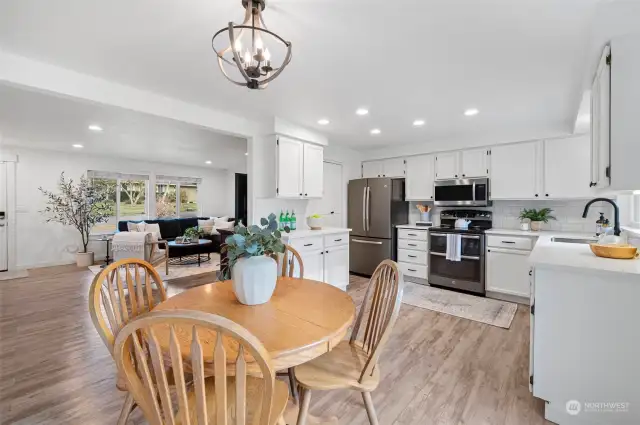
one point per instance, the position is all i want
(79, 205)
(537, 217)
(251, 264)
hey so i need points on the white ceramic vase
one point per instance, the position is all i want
(84, 259)
(254, 279)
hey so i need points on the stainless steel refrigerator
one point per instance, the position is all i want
(375, 206)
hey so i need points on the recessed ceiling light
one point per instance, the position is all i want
(418, 123)
(246, 154)
(207, 162)
(375, 131)
(78, 146)
(471, 112)
(96, 128)
(323, 121)
(362, 111)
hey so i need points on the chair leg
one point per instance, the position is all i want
(305, 396)
(371, 412)
(128, 406)
(292, 385)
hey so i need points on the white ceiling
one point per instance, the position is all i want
(521, 62)
(37, 120)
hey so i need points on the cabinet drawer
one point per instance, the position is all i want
(414, 245)
(307, 244)
(413, 270)
(417, 235)
(514, 242)
(408, 256)
(336, 240)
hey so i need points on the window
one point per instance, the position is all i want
(177, 196)
(127, 197)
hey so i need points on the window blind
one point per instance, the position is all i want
(93, 174)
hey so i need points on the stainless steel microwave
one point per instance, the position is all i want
(462, 193)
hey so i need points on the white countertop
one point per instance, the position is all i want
(558, 254)
(412, 226)
(517, 232)
(303, 233)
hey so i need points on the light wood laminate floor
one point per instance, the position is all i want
(436, 369)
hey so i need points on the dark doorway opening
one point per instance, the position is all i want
(241, 198)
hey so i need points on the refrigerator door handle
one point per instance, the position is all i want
(367, 242)
(364, 208)
(368, 208)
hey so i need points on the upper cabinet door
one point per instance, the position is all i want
(313, 170)
(514, 171)
(372, 169)
(474, 163)
(566, 168)
(601, 123)
(447, 165)
(289, 168)
(420, 176)
(393, 167)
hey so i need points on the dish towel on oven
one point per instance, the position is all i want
(454, 247)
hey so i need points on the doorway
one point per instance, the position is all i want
(241, 198)
(4, 237)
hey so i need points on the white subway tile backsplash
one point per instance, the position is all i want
(505, 214)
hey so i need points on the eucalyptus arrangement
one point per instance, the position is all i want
(537, 216)
(253, 241)
(80, 205)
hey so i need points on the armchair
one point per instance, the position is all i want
(141, 245)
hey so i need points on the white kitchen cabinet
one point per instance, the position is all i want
(474, 163)
(393, 167)
(298, 169)
(336, 265)
(313, 261)
(371, 169)
(289, 168)
(419, 178)
(312, 171)
(447, 164)
(507, 271)
(412, 253)
(566, 168)
(515, 171)
(600, 123)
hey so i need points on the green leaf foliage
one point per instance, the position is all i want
(253, 241)
(532, 214)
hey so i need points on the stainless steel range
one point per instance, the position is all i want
(466, 270)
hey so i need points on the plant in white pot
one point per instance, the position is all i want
(537, 217)
(250, 261)
(79, 205)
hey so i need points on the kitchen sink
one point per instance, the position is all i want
(575, 240)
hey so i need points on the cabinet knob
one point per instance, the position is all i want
(456, 175)
(301, 194)
(464, 175)
(536, 195)
(305, 194)
(546, 194)
(327, 252)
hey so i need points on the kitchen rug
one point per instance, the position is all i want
(484, 310)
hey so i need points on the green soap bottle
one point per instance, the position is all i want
(293, 221)
(281, 221)
(287, 220)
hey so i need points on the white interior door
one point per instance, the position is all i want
(330, 205)
(4, 243)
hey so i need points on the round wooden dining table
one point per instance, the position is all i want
(303, 320)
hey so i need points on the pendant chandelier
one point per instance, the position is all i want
(253, 61)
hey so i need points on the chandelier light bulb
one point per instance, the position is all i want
(259, 45)
(247, 57)
(267, 55)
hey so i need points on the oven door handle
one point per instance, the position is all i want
(462, 236)
(463, 257)
(438, 234)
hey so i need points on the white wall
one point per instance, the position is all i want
(41, 244)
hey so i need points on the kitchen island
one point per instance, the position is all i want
(585, 341)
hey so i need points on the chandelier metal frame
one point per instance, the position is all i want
(256, 76)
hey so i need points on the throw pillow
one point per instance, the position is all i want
(206, 226)
(142, 226)
(136, 227)
(221, 221)
(227, 225)
(155, 229)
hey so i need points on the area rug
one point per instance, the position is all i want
(178, 272)
(484, 310)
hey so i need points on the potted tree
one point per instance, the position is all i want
(79, 205)
(250, 251)
(537, 217)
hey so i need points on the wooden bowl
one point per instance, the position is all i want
(621, 252)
